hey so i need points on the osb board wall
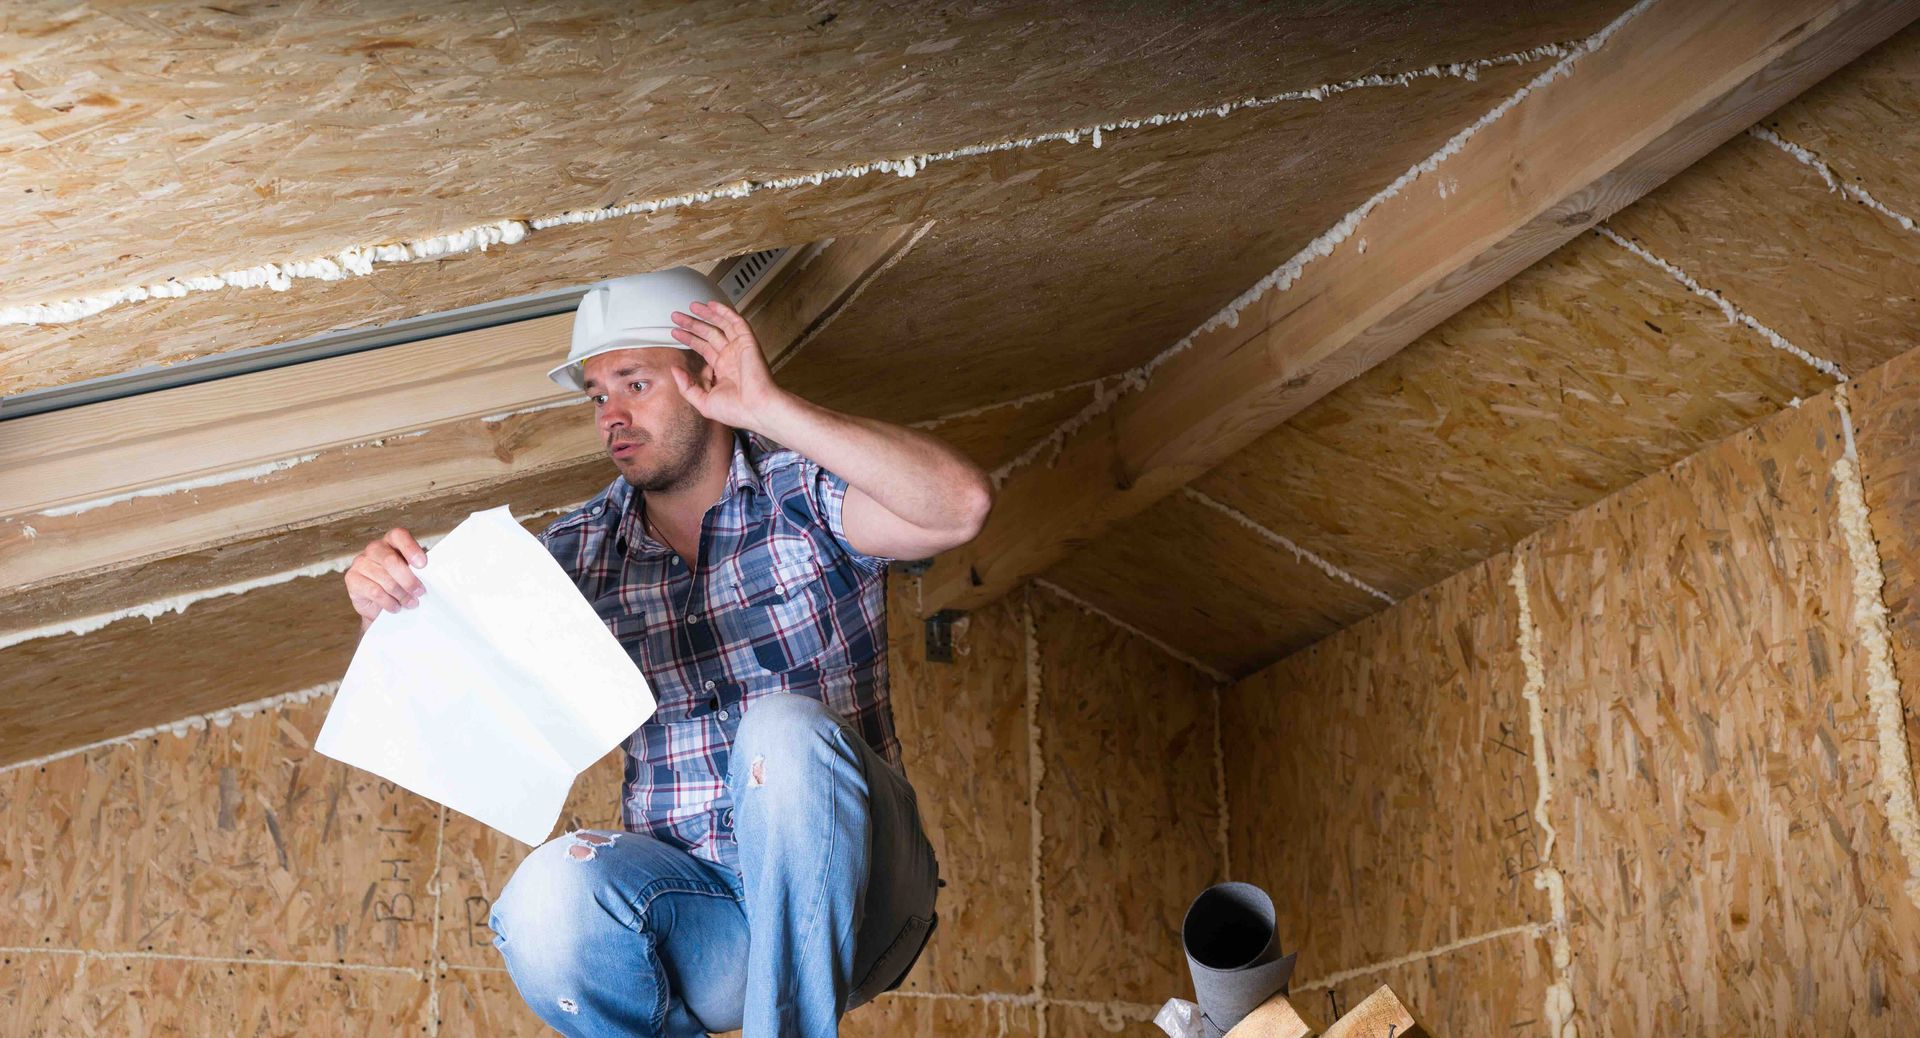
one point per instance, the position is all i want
(1584, 373)
(234, 881)
(1714, 754)
(1886, 419)
(1712, 773)
(1380, 786)
(1130, 821)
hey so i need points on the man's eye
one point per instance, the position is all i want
(637, 386)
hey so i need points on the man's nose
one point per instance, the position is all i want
(613, 416)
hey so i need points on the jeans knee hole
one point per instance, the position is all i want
(584, 842)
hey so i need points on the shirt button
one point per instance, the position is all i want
(596, 510)
(779, 589)
(692, 619)
(724, 715)
(708, 684)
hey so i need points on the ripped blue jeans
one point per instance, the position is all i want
(613, 933)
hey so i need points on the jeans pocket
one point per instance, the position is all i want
(897, 961)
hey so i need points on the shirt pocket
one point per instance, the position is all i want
(778, 603)
(628, 626)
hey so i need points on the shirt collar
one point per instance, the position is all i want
(741, 475)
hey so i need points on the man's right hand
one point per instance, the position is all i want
(381, 577)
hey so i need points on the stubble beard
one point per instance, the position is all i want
(682, 450)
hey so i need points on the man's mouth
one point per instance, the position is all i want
(625, 447)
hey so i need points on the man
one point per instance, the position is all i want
(772, 871)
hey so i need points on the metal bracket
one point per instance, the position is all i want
(940, 635)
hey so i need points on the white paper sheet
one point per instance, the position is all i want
(495, 691)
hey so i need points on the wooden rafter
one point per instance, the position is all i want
(1675, 80)
(227, 463)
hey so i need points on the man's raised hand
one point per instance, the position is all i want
(381, 577)
(736, 388)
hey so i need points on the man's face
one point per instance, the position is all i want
(655, 438)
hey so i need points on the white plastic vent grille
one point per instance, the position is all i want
(742, 274)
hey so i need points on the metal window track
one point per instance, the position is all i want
(737, 276)
(254, 359)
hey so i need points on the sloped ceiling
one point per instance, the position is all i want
(189, 141)
(1679, 321)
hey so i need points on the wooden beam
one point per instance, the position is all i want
(96, 495)
(1672, 82)
(1277, 1017)
(1379, 1015)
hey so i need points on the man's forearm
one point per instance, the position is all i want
(912, 474)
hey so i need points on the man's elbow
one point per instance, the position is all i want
(976, 504)
(965, 512)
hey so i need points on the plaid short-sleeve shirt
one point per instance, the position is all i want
(780, 603)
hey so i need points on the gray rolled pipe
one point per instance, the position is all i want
(1234, 953)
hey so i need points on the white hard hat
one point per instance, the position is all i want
(631, 313)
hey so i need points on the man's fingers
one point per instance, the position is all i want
(371, 606)
(705, 349)
(403, 542)
(699, 333)
(384, 582)
(402, 577)
(382, 560)
(376, 590)
(705, 327)
(404, 554)
(694, 393)
(382, 577)
(727, 318)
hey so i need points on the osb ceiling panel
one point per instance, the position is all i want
(1579, 376)
(188, 137)
(1211, 586)
(1860, 120)
(1120, 258)
(86, 238)
(996, 435)
(1750, 221)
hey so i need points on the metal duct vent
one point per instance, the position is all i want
(741, 275)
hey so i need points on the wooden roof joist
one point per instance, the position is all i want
(1645, 97)
(99, 497)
